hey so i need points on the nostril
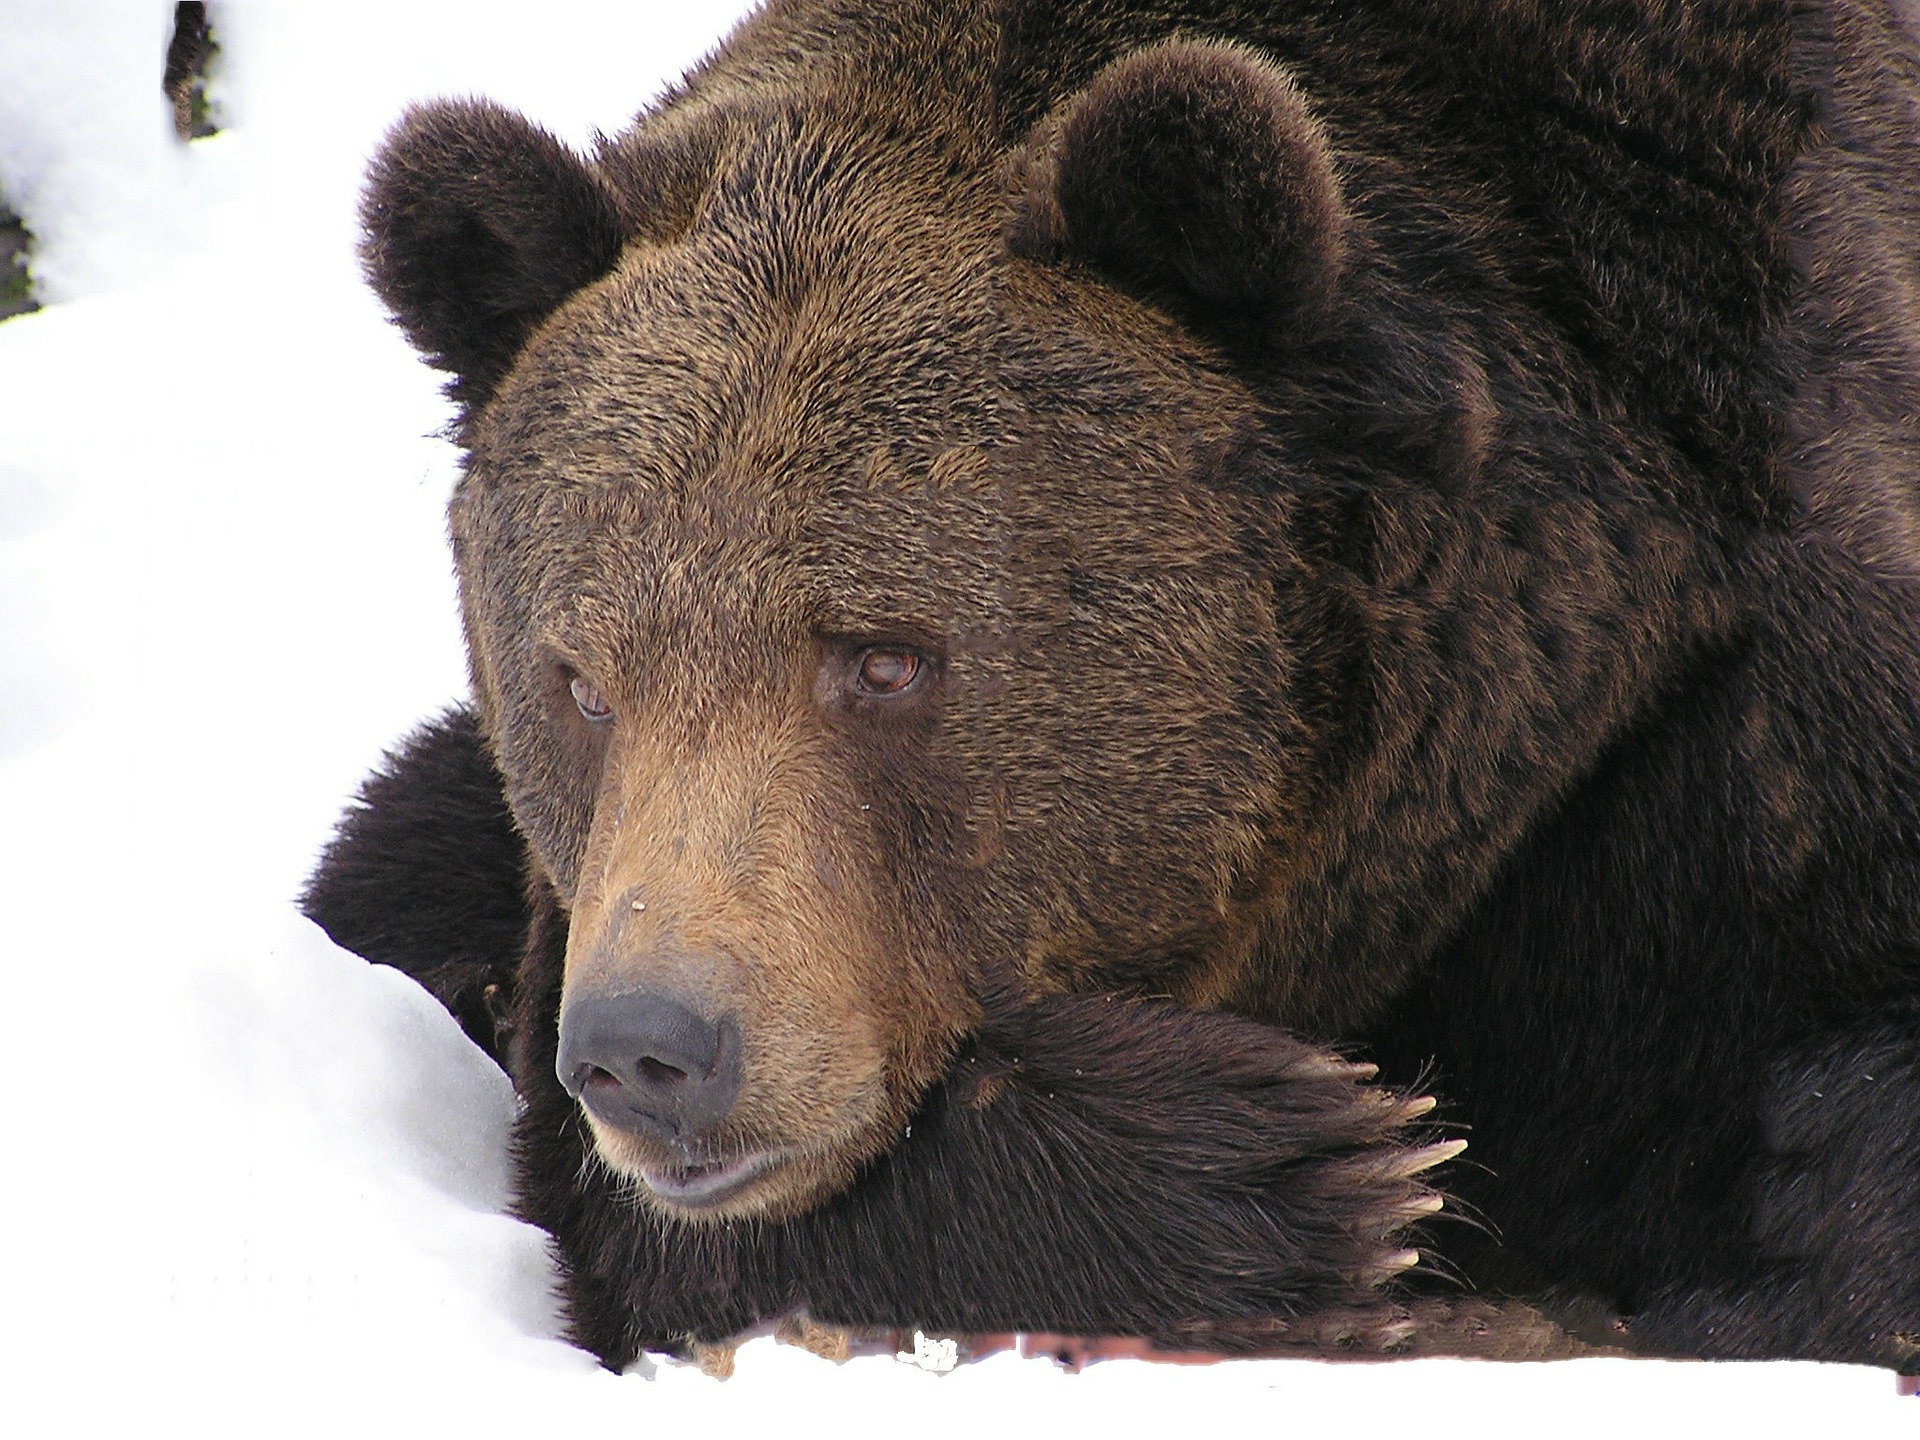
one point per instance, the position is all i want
(658, 1072)
(590, 1077)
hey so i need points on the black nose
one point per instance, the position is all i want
(647, 1063)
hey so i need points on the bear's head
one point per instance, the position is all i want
(882, 579)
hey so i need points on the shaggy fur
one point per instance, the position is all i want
(426, 874)
(1406, 515)
(1073, 1128)
(484, 224)
(1196, 174)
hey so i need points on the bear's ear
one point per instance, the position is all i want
(477, 224)
(1193, 174)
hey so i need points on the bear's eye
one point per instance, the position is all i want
(884, 671)
(593, 705)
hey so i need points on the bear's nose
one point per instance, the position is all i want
(648, 1063)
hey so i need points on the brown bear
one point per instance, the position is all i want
(992, 527)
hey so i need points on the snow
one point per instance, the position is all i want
(254, 1182)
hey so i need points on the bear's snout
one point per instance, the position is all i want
(646, 1063)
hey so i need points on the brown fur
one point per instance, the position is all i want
(699, 545)
(1031, 1190)
(1355, 474)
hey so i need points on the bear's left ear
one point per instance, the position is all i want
(1191, 173)
(477, 224)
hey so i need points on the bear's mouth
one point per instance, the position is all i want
(708, 1184)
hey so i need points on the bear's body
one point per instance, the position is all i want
(1396, 521)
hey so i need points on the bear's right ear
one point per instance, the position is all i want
(1193, 174)
(477, 224)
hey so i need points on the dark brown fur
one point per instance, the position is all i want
(1376, 485)
(1071, 1127)
(426, 872)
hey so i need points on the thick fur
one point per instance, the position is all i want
(1194, 173)
(1033, 1189)
(426, 874)
(485, 223)
(1439, 578)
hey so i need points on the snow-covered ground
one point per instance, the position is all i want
(253, 1184)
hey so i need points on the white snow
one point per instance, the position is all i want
(253, 1184)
